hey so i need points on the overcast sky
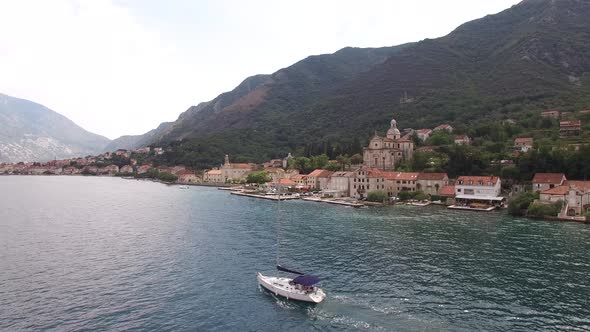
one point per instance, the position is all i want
(119, 67)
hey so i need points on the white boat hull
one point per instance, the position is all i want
(282, 287)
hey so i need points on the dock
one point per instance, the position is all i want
(230, 188)
(269, 197)
(467, 208)
(337, 202)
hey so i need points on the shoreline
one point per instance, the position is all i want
(228, 187)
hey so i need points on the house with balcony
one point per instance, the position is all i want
(570, 128)
(478, 191)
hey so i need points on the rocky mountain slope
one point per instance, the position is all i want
(32, 132)
(532, 56)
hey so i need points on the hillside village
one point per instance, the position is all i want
(374, 177)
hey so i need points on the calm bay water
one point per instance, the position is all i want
(83, 253)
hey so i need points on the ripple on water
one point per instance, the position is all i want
(82, 253)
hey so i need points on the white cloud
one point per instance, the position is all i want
(91, 61)
(123, 67)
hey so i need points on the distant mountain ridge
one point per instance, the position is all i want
(32, 132)
(534, 55)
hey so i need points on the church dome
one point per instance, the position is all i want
(393, 132)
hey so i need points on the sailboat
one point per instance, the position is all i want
(301, 288)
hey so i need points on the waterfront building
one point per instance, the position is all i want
(91, 169)
(574, 194)
(126, 169)
(109, 170)
(431, 183)
(478, 189)
(365, 181)
(570, 128)
(143, 169)
(235, 171)
(318, 179)
(213, 176)
(70, 170)
(399, 181)
(449, 193)
(546, 181)
(445, 126)
(339, 184)
(385, 153)
(187, 176)
(299, 180)
(523, 144)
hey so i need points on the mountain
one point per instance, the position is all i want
(534, 55)
(32, 132)
(131, 142)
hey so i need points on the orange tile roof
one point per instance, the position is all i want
(240, 165)
(523, 140)
(432, 176)
(214, 172)
(320, 173)
(447, 191)
(559, 190)
(551, 178)
(583, 185)
(287, 182)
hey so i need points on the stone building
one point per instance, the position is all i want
(431, 183)
(385, 153)
(235, 171)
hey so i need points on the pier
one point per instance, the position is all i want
(269, 197)
(337, 202)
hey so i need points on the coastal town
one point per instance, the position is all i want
(374, 181)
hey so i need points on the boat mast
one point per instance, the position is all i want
(278, 227)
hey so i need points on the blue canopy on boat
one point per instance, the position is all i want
(307, 280)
